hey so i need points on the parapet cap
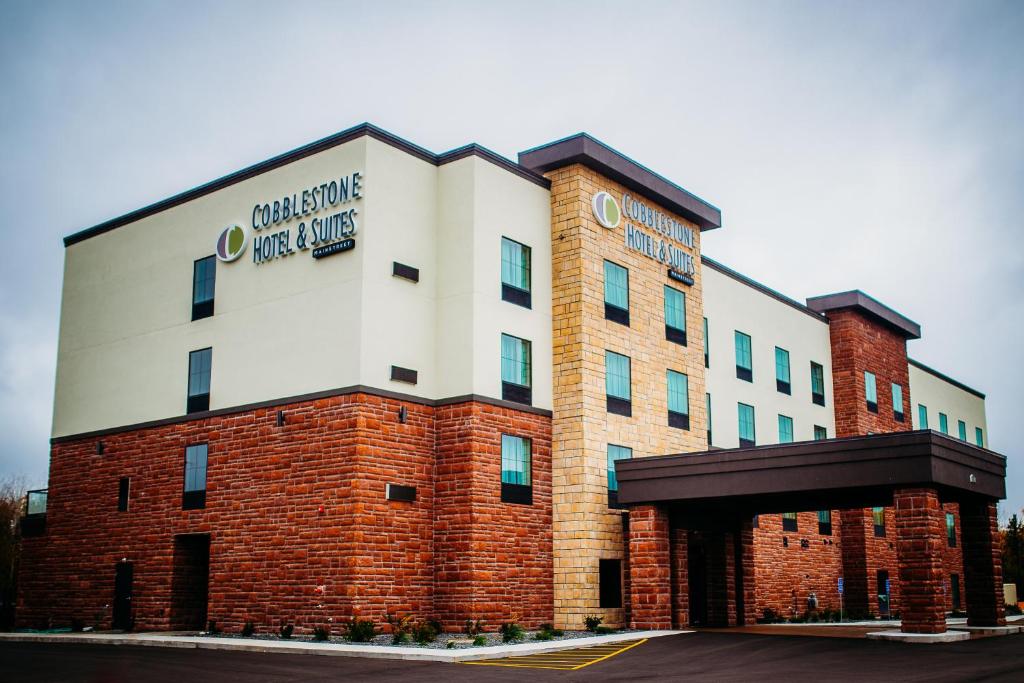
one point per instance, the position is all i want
(858, 300)
(592, 153)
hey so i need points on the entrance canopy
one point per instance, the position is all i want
(861, 471)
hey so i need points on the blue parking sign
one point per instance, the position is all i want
(840, 585)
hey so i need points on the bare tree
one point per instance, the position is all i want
(12, 507)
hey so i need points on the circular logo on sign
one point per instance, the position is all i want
(606, 210)
(231, 243)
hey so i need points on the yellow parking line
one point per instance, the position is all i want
(564, 660)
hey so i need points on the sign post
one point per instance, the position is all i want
(840, 599)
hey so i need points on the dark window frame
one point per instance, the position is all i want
(514, 391)
(783, 386)
(519, 494)
(616, 404)
(825, 528)
(612, 312)
(879, 528)
(203, 308)
(514, 294)
(194, 499)
(198, 402)
(675, 334)
(790, 523)
(816, 397)
(124, 485)
(950, 530)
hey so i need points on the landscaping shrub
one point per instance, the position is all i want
(425, 632)
(358, 630)
(212, 628)
(77, 625)
(473, 628)
(321, 633)
(604, 630)
(592, 622)
(479, 640)
(400, 627)
(511, 632)
(248, 629)
(286, 631)
(542, 635)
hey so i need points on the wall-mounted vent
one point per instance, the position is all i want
(403, 374)
(405, 494)
(405, 272)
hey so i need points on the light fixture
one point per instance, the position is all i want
(402, 414)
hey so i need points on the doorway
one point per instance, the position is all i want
(190, 582)
(882, 588)
(697, 578)
(123, 579)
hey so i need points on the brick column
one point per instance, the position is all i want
(983, 564)
(721, 578)
(745, 583)
(680, 579)
(920, 540)
(650, 569)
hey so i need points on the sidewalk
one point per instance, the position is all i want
(328, 649)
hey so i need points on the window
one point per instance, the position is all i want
(744, 364)
(954, 589)
(817, 384)
(204, 277)
(871, 391)
(515, 370)
(951, 529)
(199, 380)
(782, 370)
(194, 496)
(943, 423)
(706, 344)
(675, 315)
(820, 433)
(979, 437)
(897, 402)
(678, 400)
(878, 516)
(610, 588)
(707, 406)
(789, 522)
(616, 382)
(746, 420)
(616, 293)
(615, 453)
(515, 272)
(961, 430)
(825, 522)
(515, 470)
(785, 429)
(122, 494)
(922, 416)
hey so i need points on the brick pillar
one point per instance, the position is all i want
(745, 580)
(721, 578)
(920, 541)
(650, 569)
(680, 579)
(853, 545)
(983, 564)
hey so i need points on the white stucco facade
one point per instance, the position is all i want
(938, 395)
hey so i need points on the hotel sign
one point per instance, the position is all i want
(651, 232)
(323, 218)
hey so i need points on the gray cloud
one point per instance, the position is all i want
(849, 145)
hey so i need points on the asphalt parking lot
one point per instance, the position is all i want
(700, 656)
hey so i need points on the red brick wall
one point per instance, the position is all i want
(921, 530)
(786, 576)
(300, 528)
(650, 568)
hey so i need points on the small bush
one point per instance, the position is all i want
(511, 632)
(400, 627)
(542, 635)
(769, 616)
(286, 631)
(424, 632)
(450, 645)
(77, 625)
(473, 628)
(321, 634)
(479, 640)
(212, 628)
(557, 632)
(359, 630)
(248, 629)
(592, 622)
(604, 630)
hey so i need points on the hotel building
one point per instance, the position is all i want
(362, 378)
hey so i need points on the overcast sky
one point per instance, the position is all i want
(877, 146)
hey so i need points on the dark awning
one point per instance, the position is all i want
(853, 472)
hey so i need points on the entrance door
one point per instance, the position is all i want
(190, 582)
(122, 614)
(697, 570)
(882, 581)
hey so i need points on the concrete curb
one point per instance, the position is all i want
(920, 638)
(331, 649)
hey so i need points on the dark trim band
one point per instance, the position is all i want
(945, 378)
(367, 129)
(303, 398)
